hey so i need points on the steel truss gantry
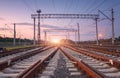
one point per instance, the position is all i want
(58, 30)
(64, 16)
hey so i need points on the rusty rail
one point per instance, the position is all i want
(6, 53)
(92, 73)
(104, 51)
(6, 63)
(31, 72)
(110, 61)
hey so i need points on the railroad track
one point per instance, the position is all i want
(69, 64)
(102, 66)
(114, 61)
(21, 66)
(9, 60)
(15, 51)
(61, 67)
(115, 52)
(4, 58)
(60, 62)
(114, 56)
(51, 63)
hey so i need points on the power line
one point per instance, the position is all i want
(36, 5)
(10, 29)
(71, 2)
(98, 6)
(68, 10)
(54, 5)
(27, 5)
(89, 7)
(114, 5)
(71, 21)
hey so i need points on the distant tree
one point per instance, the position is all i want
(119, 38)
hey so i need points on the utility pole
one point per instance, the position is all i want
(39, 34)
(96, 21)
(113, 33)
(76, 37)
(19, 39)
(112, 20)
(45, 37)
(14, 40)
(68, 35)
(78, 32)
(34, 38)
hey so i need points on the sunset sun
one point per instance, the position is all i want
(56, 41)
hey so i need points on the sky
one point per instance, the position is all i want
(19, 12)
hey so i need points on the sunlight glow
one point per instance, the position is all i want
(55, 41)
(100, 35)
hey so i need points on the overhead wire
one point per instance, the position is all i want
(89, 9)
(71, 2)
(113, 6)
(53, 2)
(99, 5)
(64, 9)
(9, 29)
(27, 5)
(36, 5)
(90, 6)
(71, 20)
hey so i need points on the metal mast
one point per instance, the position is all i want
(14, 40)
(113, 33)
(97, 42)
(78, 32)
(34, 38)
(39, 35)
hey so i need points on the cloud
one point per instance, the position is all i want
(46, 26)
(2, 18)
(50, 26)
(61, 29)
(23, 23)
(5, 29)
(31, 24)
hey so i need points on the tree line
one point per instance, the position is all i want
(8, 39)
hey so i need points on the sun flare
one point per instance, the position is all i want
(55, 41)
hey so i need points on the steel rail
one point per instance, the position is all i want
(92, 73)
(15, 51)
(11, 61)
(110, 61)
(106, 51)
(31, 71)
